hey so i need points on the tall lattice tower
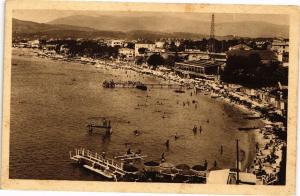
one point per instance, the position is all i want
(212, 34)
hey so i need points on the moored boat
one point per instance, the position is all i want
(141, 86)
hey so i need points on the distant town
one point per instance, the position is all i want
(259, 65)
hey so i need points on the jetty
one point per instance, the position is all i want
(108, 168)
(139, 85)
(105, 125)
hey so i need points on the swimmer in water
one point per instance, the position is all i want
(221, 150)
(176, 136)
(167, 144)
(195, 129)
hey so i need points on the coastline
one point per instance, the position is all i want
(255, 136)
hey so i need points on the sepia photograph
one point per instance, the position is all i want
(150, 97)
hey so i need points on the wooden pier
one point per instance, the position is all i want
(106, 167)
(130, 84)
(149, 85)
(106, 125)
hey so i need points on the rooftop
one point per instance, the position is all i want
(263, 54)
(201, 63)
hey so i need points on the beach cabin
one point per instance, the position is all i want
(225, 176)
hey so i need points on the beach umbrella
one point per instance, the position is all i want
(198, 168)
(166, 165)
(151, 164)
(234, 170)
(182, 167)
(130, 168)
(187, 173)
(214, 168)
(169, 171)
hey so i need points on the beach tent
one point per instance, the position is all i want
(218, 177)
(247, 178)
(182, 167)
(166, 165)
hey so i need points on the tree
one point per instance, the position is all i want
(155, 60)
(250, 71)
(139, 60)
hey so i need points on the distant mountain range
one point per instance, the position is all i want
(170, 24)
(133, 27)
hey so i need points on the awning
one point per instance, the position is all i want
(218, 177)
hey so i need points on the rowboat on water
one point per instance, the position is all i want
(105, 172)
(141, 86)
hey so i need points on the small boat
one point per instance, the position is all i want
(179, 91)
(247, 128)
(182, 167)
(141, 87)
(108, 84)
(105, 172)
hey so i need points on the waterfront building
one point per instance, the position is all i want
(177, 43)
(266, 56)
(159, 44)
(202, 69)
(115, 42)
(240, 47)
(198, 56)
(128, 53)
(49, 47)
(33, 43)
(280, 46)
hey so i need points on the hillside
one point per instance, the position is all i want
(28, 29)
(172, 24)
(91, 29)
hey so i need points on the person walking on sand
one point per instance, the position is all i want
(162, 159)
(205, 164)
(215, 164)
(200, 129)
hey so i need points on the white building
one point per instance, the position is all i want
(34, 43)
(159, 44)
(177, 43)
(115, 42)
(280, 46)
(240, 47)
(127, 52)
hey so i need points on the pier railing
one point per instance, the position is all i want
(95, 158)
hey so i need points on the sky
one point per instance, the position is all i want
(44, 16)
